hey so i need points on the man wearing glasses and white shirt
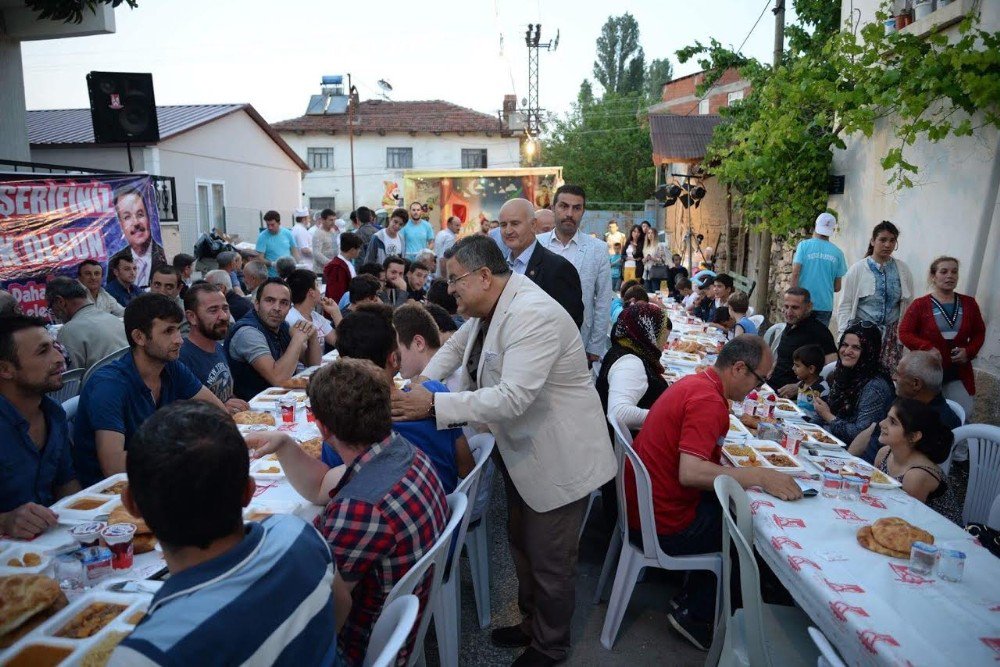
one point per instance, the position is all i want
(590, 257)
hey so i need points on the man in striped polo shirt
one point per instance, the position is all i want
(255, 593)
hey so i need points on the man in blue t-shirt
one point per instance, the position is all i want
(367, 333)
(120, 396)
(818, 266)
(270, 583)
(276, 242)
(207, 311)
(36, 466)
(417, 233)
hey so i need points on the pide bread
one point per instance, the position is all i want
(22, 598)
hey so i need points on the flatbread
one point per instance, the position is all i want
(295, 383)
(866, 540)
(313, 447)
(7, 640)
(121, 515)
(899, 535)
(254, 417)
(24, 595)
(143, 544)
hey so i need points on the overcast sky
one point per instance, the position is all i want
(272, 54)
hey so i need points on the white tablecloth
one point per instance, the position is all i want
(871, 607)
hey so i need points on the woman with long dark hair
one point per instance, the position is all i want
(950, 323)
(632, 255)
(861, 389)
(878, 289)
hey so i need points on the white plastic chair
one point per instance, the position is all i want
(825, 373)
(72, 381)
(759, 634)
(994, 520)
(828, 655)
(621, 528)
(957, 408)
(477, 536)
(758, 320)
(649, 554)
(106, 360)
(390, 631)
(70, 407)
(436, 556)
(773, 336)
(586, 513)
(984, 469)
(446, 604)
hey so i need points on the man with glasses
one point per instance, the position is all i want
(526, 379)
(801, 328)
(680, 446)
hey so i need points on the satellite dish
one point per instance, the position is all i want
(385, 85)
(555, 44)
(524, 101)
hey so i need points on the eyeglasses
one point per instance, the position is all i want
(452, 281)
(760, 380)
(864, 324)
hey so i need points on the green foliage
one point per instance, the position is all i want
(775, 147)
(71, 11)
(659, 72)
(621, 63)
(604, 147)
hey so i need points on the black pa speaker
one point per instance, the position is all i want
(122, 108)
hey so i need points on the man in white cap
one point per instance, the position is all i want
(300, 231)
(818, 266)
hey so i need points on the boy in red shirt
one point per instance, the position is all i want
(680, 445)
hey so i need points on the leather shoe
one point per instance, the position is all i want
(532, 657)
(511, 636)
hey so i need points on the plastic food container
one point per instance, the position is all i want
(88, 534)
(118, 537)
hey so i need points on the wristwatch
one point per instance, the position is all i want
(432, 413)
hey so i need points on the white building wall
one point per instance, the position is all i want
(952, 210)
(370, 172)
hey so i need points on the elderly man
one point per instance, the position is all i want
(87, 334)
(801, 328)
(555, 275)
(919, 375)
(545, 221)
(231, 262)
(254, 275)
(263, 350)
(324, 241)
(680, 446)
(238, 305)
(526, 378)
(590, 257)
(90, 273)
(130, 207)
(275, 242)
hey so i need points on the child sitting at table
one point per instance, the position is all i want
(723, 320)
(682, 290)
(807, 362)
(739, 305)
(616, 267)
(915, 442)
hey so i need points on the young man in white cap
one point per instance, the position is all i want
(818, 266)
(300, 231)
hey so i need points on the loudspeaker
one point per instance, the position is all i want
(122, 108)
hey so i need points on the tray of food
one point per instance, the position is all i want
(82, 633)
(84, 506)
(111, 486)
(23, 559)
(787, 409)
(680, 358)
(313, 447)
(816, 436)
(853, 466)
(267, 467)
(254, 418)
(736, 428)
(761, 453)
(260, 510)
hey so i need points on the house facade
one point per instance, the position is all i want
(390, 137)
(229, 166)
(680, 95)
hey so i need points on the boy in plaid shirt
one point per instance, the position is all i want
(385, 506)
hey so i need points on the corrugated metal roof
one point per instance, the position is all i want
(403, 116)
(680, 138)
(73, 127)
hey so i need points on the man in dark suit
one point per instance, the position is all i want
(554, 274)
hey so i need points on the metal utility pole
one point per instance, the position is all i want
(764, 256)
(351, 92)
(532, 39)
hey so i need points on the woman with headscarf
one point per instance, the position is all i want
(861, 390)
(631, 376)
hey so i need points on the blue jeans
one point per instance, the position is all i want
(823, 316)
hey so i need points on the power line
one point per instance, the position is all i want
(743, 43)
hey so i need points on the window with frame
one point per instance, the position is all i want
(399, 158)
(473, 158)
(703, 106)
(319, 203)
(320, 159)
(734, 97)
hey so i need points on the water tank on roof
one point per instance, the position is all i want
(332, 80)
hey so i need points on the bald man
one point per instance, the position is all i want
(545, 268)
(545, 221)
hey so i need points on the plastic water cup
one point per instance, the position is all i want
(832, 483)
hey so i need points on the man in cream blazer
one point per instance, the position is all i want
(527, 380)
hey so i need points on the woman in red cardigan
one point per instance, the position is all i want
(951, 324)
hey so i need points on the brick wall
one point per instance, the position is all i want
(677, 94)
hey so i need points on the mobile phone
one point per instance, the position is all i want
(807, 491)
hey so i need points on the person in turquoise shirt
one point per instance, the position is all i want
(616, 267)
(276, 242)
(818, 266)
(417, 233)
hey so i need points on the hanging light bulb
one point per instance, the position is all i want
(530, 146)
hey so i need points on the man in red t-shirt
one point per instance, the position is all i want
(680, 446)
